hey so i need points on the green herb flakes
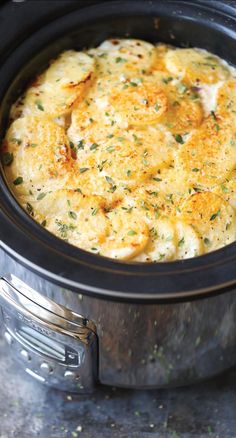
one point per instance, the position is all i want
(83, 169)
(93, 147)
(94, 212)
(131, 233)
(72, 215)
(41, 196)
(120, 60)
(215, 215)
(181, 242)
(18, 181)
(39, 105)
(80, 144)
(179, 138)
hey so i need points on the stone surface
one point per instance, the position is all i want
(29, 409)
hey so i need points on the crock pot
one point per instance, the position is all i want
(72, 318)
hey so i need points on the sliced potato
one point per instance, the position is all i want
(124, 55)
(138, 102)
(90, 125)
(41, 154)
(128, 235)
(209, 156)
(55, 91)
(212, 217)
(196, 66)
(162, 244)
(74, 217)
(189, 243)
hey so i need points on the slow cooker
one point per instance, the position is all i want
(71, 318)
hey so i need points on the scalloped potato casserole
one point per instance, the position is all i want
(128, 150)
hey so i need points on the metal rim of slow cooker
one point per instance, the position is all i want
(79, 270)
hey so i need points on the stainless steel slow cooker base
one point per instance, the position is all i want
(113, 343)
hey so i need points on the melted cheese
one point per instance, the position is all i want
(128, 150)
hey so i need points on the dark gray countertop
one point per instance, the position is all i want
(28, 409)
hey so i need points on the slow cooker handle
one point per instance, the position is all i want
(56, 346)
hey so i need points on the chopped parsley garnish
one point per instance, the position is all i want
(44, 223)
(33, 145)
(72, 215)
(39, 105)
(80, 144)
(112, 184)
(182, 88)
(93, 147)
(154, 233)
(207, 241)
(18, 180)
(128, 173)
(119, 60)
(197, 189)
(179, 138)
(101, 166)
(195, 169)
(109, 180)
(181, 242)
(215, 118)
(215, 215)
(83, 169)
(41, 196)
(157, 179)
(157, 107)
(131, 233)
(133, 84)
(213, 115)
(167, 80)
(224, 188)
(169, 198)
(7, 158)
(78, 190)
(94, 212)
(111, 149)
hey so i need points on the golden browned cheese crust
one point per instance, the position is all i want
(128, 150)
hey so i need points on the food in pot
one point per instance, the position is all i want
(128, 150)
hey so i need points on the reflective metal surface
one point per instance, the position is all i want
(54, 344)
(143, 345)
